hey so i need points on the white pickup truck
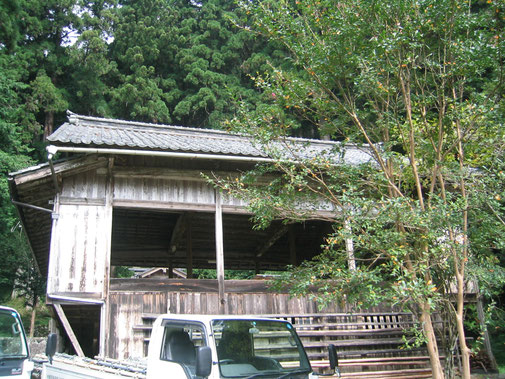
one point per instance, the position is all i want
(14, 354)
(202, 346)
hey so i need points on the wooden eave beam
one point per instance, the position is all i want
(68, 167)
(171, 174)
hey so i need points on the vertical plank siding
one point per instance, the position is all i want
(79, 249)
(80, 238)
(160, 190)
(127, 310)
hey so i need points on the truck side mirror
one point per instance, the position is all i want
(203, 361)
(52, 339)
(332, 356)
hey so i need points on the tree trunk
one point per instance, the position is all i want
(465, 351)
(48, 124)
(429, 332)
(32, 322)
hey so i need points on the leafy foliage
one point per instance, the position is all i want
(418, 83)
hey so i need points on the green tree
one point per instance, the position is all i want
(29, 284)
(141, 46)
(418, 83)
(14, 151)
(183, 62)
(9, 27)
(46, 28)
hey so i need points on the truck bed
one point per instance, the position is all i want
(66, 366)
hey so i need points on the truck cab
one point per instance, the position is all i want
(198, 346)
(14, 353)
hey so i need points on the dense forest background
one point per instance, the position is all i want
(175, 62)
(178, 62)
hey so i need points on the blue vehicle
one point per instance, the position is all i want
(14, 353)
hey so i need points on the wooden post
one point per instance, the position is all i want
(189, 248)
(104, 310)
(292, 246)
(220, 253)
(349, 247)
(53, 248)
(177, 233)
(170, 269)
(68, 329)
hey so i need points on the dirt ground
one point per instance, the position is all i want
(488, 376)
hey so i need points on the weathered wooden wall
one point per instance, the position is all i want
(128, 307)
(80, 238)
(187, 192)
(80, 252)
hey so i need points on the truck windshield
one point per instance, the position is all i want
(12, 337)
(259, 349)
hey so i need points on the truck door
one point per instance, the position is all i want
(178, 350)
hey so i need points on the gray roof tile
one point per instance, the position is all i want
(84, 131)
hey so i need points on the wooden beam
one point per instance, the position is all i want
(68, 329)
(273, 239)
(73, 166)
(179, 285)
(163, 205)
(220, 252)
(171, 174)
(177, 206)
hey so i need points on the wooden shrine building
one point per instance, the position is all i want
(132, 194)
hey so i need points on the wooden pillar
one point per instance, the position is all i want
(292, 246)
(189, 248)
(349, 247)
(170, 269)
(177, 233)
(52, 270)
(220, 253)
(105, 308)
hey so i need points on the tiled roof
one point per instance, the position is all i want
(84, 131)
